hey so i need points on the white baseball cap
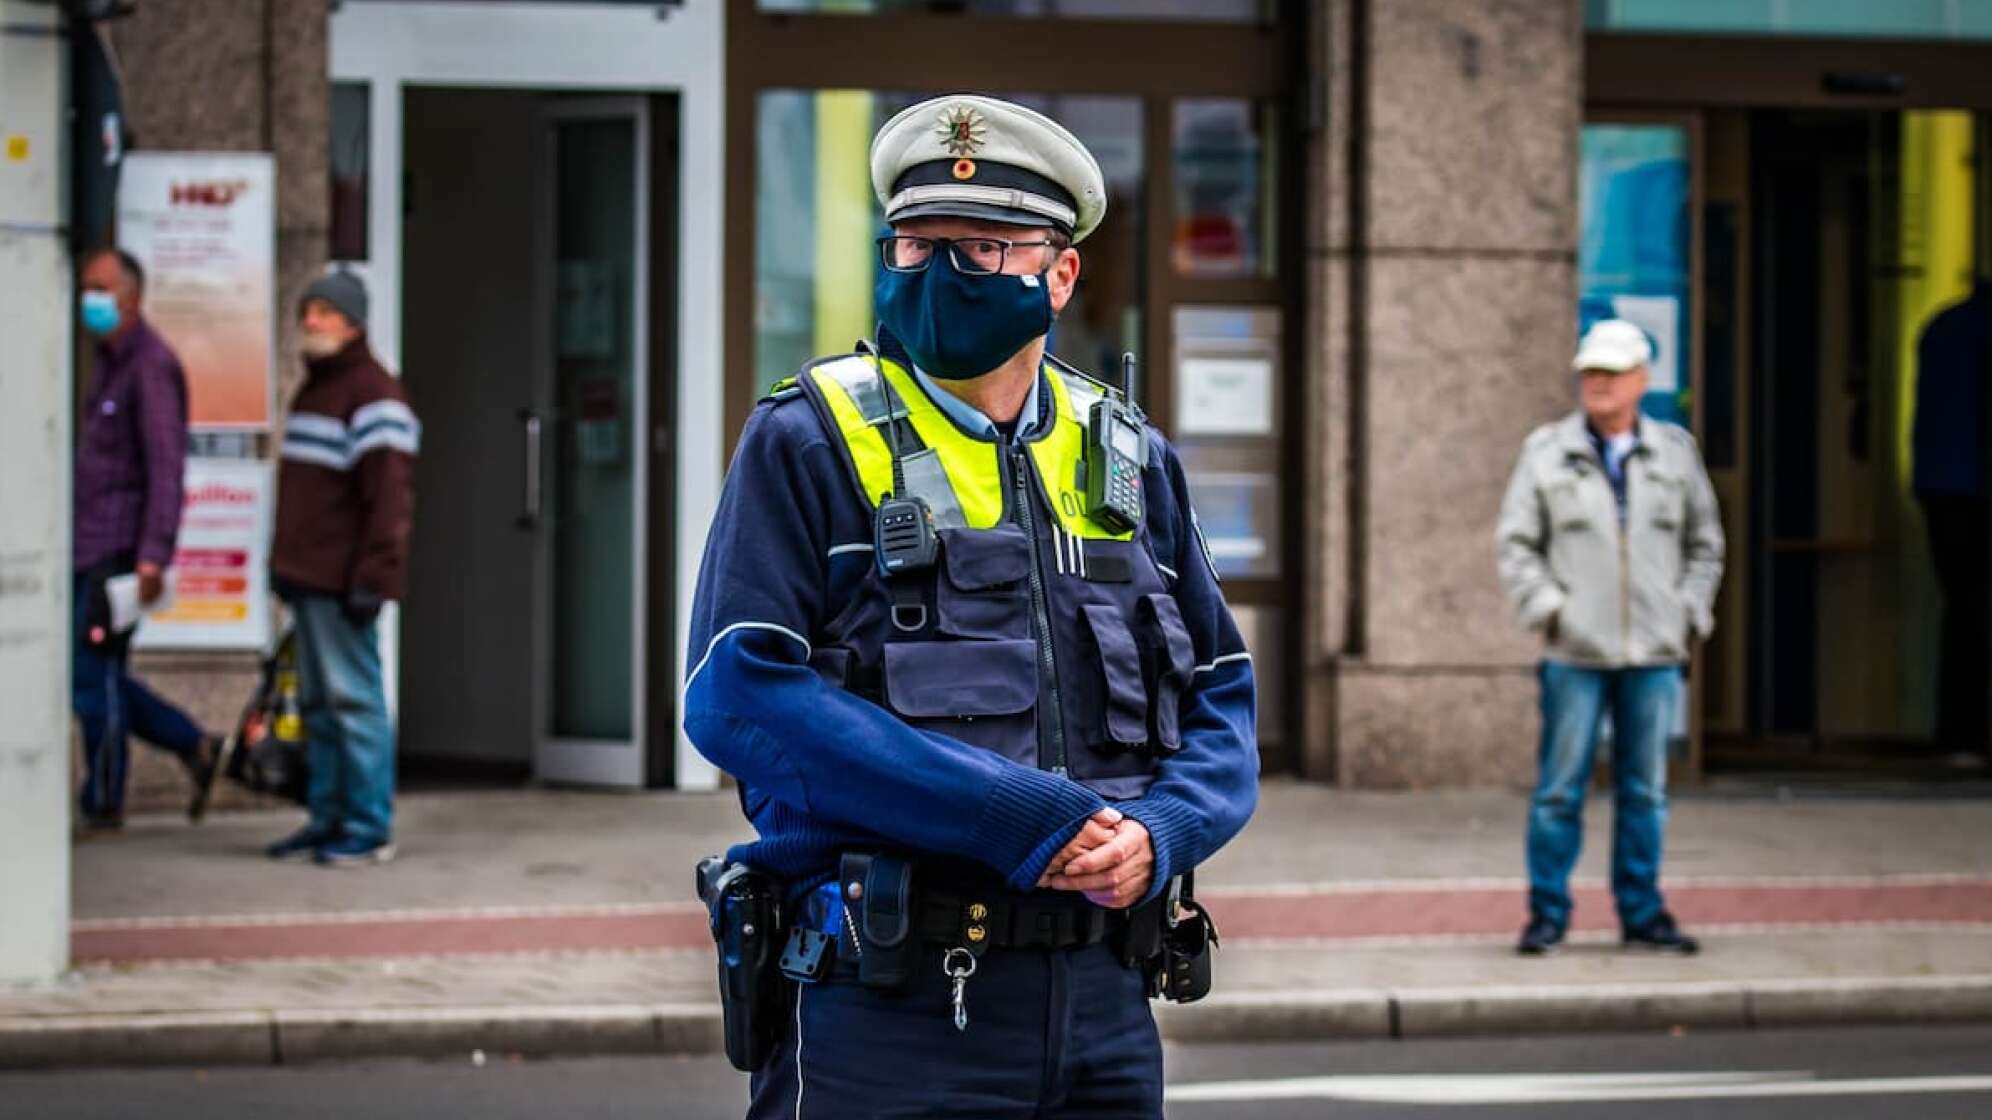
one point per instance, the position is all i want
(1613, 344)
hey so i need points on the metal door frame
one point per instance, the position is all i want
(610, 762)
(1633, 76)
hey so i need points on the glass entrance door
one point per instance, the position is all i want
(590, 445)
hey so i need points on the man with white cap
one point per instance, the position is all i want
(1611, 546)
(957, 637)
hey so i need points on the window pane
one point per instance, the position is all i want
(350, 133)
(1224, 179)
(1632, 258)
(1192, 11)
(595, 466)
(816, 219)
(1227, 431)
(1934, 19)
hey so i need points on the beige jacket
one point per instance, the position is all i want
(1606, 594)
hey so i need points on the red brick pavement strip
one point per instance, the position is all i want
(1366, 912)
(1426, 913)
(410, 935)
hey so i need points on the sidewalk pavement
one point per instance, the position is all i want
(544, 922)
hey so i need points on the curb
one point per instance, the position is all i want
(300, 1036)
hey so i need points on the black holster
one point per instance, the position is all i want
(1172, 939)
(745, 908)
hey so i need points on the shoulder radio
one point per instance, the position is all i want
(903, 536)
(1116, 451)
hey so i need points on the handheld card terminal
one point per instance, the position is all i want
(1116, 450)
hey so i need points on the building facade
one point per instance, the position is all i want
(1351, 241)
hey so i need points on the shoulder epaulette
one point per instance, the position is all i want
(788, 388)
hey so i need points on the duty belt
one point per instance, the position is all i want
(978, 923)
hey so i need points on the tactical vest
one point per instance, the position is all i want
(1039, 634)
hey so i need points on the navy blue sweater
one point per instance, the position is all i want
(822, 769)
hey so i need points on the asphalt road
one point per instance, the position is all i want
(1926, 1072)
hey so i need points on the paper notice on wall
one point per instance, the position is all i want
(1225, 397)
(203, 226)
(220, 570)
(1660, 318)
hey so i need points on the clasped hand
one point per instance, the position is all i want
(1111, 861)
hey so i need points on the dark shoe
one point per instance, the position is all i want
(353, 853)
(1540, 938)
(101, 822)
(202, 769)
(298, 844)
(1661, 935)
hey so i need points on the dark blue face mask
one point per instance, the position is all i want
(958, 326)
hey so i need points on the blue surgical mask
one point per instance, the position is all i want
(100, 313)
(957, 326)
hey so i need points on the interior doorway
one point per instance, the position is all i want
(1837, 201)
(1832, 240)
(538, 347)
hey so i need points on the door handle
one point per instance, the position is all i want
(529, 512)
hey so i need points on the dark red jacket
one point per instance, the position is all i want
(345, 498)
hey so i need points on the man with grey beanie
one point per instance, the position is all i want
(344, 507)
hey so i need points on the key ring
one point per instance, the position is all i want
(955, 971)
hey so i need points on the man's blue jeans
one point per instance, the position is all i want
(111, 704)
(1573, 701)
(345, 721)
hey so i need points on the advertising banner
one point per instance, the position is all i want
(220, 572)
(203, 225)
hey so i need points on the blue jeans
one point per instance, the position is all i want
(350, 739)
(1573, 701)
(111, 704)
(1050, 1034)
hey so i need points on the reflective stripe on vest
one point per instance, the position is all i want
(969, 487)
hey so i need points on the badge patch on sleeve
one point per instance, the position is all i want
(1196, 525)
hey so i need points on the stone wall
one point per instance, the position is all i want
(231, 75)
(1444, 261)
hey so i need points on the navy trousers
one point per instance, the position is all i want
(111, 704)
(1050, 1034)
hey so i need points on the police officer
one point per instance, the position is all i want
(982, 715)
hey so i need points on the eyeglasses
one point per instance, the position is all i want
(971, 256)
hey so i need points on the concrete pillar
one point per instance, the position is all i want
(34, 493)
(1446, 259)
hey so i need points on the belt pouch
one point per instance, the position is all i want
(884, 904)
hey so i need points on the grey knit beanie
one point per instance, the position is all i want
(342, 290)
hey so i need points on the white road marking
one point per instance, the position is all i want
(1534, 1088)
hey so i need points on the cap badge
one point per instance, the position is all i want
(962, 130)
(964, 169)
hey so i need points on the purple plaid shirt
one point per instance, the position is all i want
(131, 452)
